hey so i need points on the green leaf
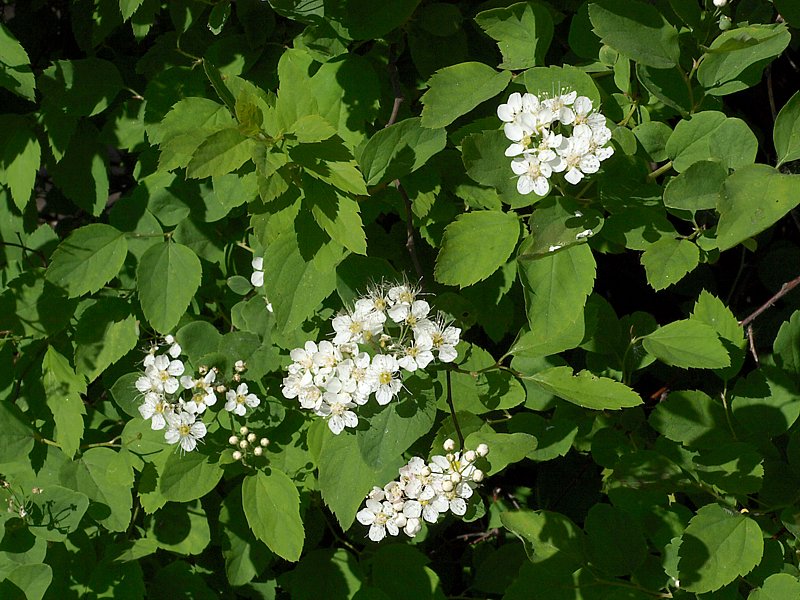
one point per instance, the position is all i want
(63, 389)
(361, 21)
(710, 135)
(84, 87)
(272, 506)
(16, 436)
(558, 222)
(180, 528)
(786, 132)
(717, 547)
(15, 66)
(222, 152)
(697, 188)
(637, 30)
(485, 162)
(88, 259)
(669, 86)
(765, 403)
(668, 260)
(549, 538)
(327, 573)
(107, 478)
(338, 215)
(737, 57)
(312, 128)
(296, 286)
(615, 541)
(752, 199)
(82, 174)
(32, 579)
(556, 287)
(106, 332)
(734, 468)
(687, 344)
(189, 476)
(399, 150)
(330, 161)
(505, 448)
(544, 82)
(785, 349)
(245, 556)
(692, 418)
(462, 261)
(167, 278)
(653, 136)
(57, 511)
(481, 392)
(20, 156)
(129, 7)
(586, 389)
(523, 32)
(777, 587)
(456, 90)
(125, 394)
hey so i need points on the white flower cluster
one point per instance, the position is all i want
(423, 491)
(542, 144)
(364, 359)
(176, 402)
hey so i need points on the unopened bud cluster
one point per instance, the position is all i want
(177, 402)
(423, 492)
(388, 331)
(247, 442)
(553, 135)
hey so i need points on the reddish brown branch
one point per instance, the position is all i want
(785, 289)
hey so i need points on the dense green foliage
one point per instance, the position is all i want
(629, 346)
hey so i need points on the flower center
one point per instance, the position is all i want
(385, 378)
(183, 430)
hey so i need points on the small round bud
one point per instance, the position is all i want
(22, 512)
(233, 440)
(264, 442)
(425, 471)
(400, 520)
(477, 475)
(725, 23)
(220, 389)
(243, 444)
(258, 451)
(720, 3)
(449, 445)
(244, 430)
(398, 506)
(469, 456)
(237, 455)
(237, 378)
(482, 450)
(251, 437)
(37, 490)
(455, 477)
(447, 486)
(449, 456)
(413, 527)
(202, 369)
(169, 339)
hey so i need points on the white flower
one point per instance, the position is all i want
(202, 391)
(578, 160)
(384, 369)
(418, 355)
(561, 107)
(161, 376)
(339, 415)
(401, 298)
(257, 278)
(533, 175)
(359, 326)
(185, 429)
(238, 400)
(156, 408)
(380, 516)
(720, 3)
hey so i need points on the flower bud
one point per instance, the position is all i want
(477, 476)
(455, 477)
(720, 3)
(233, 440)
(482, 450)
(449, 456)
(425, 471)
(447, 486)
(398, 506)
(258, 451)
(449, 445)
(469, 456)
(243, 444)
(237, 455)
(220, 389)
(264, 442)
(202, 369)
(725, 23)
(413, 527)
(400, 520)
(37, 490)
(251, 437)
(244, 430)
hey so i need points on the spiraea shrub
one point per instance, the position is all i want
(403, 300)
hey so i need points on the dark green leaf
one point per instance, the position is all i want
(668, 260)
(84, 87)
(786, 132)
(63, 389)
(523, 32)
(687, 344)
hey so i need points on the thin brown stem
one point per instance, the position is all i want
(410, 244)
(752, 342)
(396, 89)
(785, 289)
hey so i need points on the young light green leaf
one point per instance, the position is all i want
(586, 389)
(710, 135)
(752, 199)
(272, 506)
(697, 188)
(167, 278)
(523, 32)
(462, 260)
(63, 389)
(128, 7)
(668, 260)
(737, 57)
(456, 90)
(88, 259)
(20, 156)
(338, 215)
(786, 132)
(399, 149)
(687, 344)
(637, 30)
(15, 66)
(222, 152)
(777, 587)
(718, 546)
